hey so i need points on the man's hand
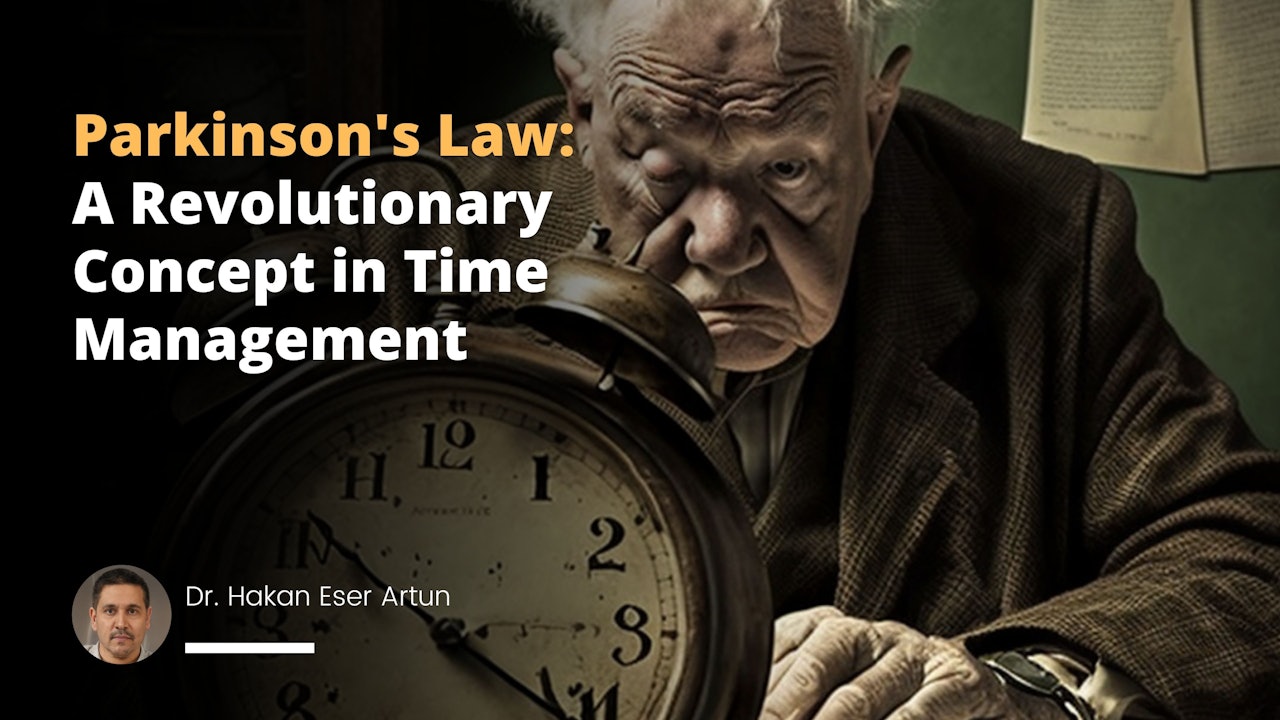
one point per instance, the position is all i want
(829, 666)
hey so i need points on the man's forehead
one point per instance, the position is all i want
(121, 594)
(728, 66)
(719, 34)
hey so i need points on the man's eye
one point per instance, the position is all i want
(788, 170)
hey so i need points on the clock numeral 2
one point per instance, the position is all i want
(300, 547)
(600, 527)
(458, 435)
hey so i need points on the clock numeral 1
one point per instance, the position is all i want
(354, 477)
(602, 527)
(458, 435)
(291, 697)
(296, 549)
(540, 478)
(632, 618)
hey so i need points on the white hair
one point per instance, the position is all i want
(574, 23)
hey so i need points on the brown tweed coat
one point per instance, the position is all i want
(1002, 439)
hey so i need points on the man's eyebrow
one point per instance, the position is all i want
(808, 118)
(636, 111)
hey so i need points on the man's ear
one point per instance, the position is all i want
(149, 618)
(577, 82)
(882, 97)
(93, 618)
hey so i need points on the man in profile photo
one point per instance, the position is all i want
(120, 615)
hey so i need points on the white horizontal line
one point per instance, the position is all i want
(251, 648)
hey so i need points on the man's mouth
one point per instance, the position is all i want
(723, 319)
(122, 636)
(732, 308)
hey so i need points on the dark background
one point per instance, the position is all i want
(111, 428)
(1212, 244)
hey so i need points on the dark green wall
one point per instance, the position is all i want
(1212, 244)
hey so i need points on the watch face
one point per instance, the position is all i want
(455, 547)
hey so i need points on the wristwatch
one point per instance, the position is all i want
(1018, 671)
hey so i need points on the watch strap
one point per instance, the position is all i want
(1018, 671)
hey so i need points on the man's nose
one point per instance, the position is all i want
(723, 234)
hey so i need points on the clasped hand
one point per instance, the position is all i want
(829, 666)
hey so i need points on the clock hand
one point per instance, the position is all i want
(326, 531)
(524, 627)
(446, 632)
(451, 633)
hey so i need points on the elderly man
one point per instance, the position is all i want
(121, 616)
(986, 478)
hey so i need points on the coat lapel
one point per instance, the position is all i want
(911, 435)
(910, 441)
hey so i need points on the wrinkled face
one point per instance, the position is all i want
(740, 151)
(121, 620)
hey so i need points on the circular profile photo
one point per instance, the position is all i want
(121, 614)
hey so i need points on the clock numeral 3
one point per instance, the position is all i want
(632, 618)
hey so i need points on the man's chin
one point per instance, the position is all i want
(122, 650)
(740, 349)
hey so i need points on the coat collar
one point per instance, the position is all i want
(910, 281)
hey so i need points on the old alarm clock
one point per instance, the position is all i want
(520, 535)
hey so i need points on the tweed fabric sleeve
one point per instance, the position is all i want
(1178, 505)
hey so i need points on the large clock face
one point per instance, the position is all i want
(455, 547)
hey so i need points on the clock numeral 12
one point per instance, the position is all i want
(458, 435)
